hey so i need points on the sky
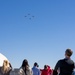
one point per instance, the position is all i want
(42, 38)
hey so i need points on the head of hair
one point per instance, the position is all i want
(5, 63)
(5, 66)
(25, 63)
(68, 52)
(36, 64)
(45, 66)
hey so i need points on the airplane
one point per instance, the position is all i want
(25, 16)
(32, 16)
(28, 14)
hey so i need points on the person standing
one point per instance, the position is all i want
(5, 69)
(35, 69)
(25, 68)
(65, 66)
(46, 71)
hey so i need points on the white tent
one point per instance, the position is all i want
(2, 58)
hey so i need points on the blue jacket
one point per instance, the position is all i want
(36, 71)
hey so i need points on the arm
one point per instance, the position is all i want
(74, 65)
(21, 72)
(49, 70)
(57, 66)
(41, 69)
(31, 72)
(39, 73)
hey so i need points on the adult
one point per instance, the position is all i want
(35, 69)
(25, 68)
(5, 69)
(65, 66)
(46, 70)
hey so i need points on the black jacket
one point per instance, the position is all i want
(66, 67)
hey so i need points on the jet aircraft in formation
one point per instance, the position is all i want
(29, 16)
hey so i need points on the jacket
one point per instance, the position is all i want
(28, 71)
(64, 66)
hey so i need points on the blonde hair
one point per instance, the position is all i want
(5, 67)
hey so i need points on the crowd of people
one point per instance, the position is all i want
(63, 67)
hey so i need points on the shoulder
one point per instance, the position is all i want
(69, 61)
(59, 61)
(35, 68)
(21, 70)
(29, 68)
(72, 61)
(38, 69)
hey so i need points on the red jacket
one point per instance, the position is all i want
(46, 72)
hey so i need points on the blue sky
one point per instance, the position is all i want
(44, 38)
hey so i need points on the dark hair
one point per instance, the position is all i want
(10, 65)
(24, 65)
(45, 66)
(36, 64)
(68, 52)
